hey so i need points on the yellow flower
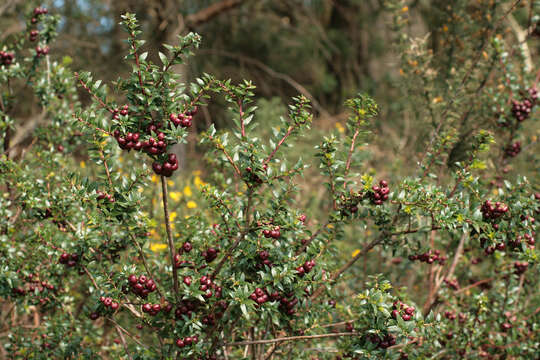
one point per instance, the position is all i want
(405, 9)
(187, 191)
(170, 182)
(155, 179)
(355, 252)
(172, 216)
(175, 195)
(82, 164)
(330, 226)
(198, 182)
(156, 247)
(191, 204)
(340, 127)
(196, 172)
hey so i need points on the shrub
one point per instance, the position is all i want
(250, 271)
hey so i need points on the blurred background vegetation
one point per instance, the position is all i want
(328, 50)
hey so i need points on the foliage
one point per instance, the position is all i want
(237, 264)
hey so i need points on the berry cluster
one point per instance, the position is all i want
(183, 119)
(512, 150)
(210, 254)
(380, 193)
(6, 58)
(40, 11)
(42, 50)
(152, 309)
(260, 296)
(491, 249)
(116, 112)
(387, 341)
(520, 267)
(208, 285)
(187, 341)
(186, 307)
(274, 233)
(522, 109)
(142, 285)
(450, 315)
(216, 314)
(109, 303)
(287, 304)
(33, 35)
(492, 211)
(306, 268)
(37, 13)
(263, 258)
(429, 257)
(69, 260)
(102, 196)
(168, 167)
(405, 311)
(32, 285)
(453, 284)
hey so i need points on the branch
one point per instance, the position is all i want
(349, 158)
(289, 131)
(206, 14)
(433, 294)
(265, 68)
(290, 338)
(123, 340)
(83, 84)
(169, 236)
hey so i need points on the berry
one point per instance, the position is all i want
(379, 193)
(187, 246)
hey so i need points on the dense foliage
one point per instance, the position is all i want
(128, 255)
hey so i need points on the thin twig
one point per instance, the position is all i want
(289, 131)
(349, 158)
(103, 105)
(291, 338)
(169, 236)
(123, 340)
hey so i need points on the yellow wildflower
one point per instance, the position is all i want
(187, 191)
(340, 127)
(175, 195)
(155, 179)
(82, 164)
(172, 216)
(170, 182)
(405, 9)
(355, 252)
(191, 204)
(156, 247)
(198, 182)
